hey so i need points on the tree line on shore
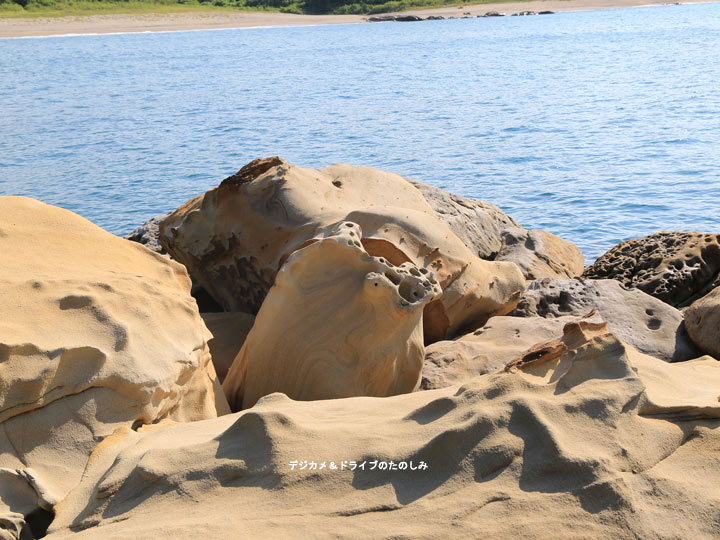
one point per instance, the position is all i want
(339, 7)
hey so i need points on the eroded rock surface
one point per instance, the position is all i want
(337, 323)
(489, 348)
(702, 320)
(95, 333)
(593, 440)
(541, 254)
(236, 237)
(493, 235)
(676, 267)
(646, 323)
(477, 223)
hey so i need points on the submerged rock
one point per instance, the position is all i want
(646, 323)
(236, 237)
(337, 323)
(676, 267)
(593, 440)
(702, 320)
(95, 333)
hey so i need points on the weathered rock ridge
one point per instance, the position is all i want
(95, 333)
(586, 438)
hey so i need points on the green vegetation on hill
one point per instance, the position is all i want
(45, 8)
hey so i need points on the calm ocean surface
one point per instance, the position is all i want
(598, 126)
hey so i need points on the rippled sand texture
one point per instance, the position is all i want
(597, 441)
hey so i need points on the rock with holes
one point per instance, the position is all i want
(676, 267)
(229, 331)
(646, 323)
(489, 348)
(235, 238)
(95, 333)
(540, 254)
(702, 320)
(582, 437)
(337, 323)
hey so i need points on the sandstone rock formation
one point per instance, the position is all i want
(477, 223)
(676, 267)
(235, 238)
(646, 323)
(493, 235)
(540, 254)
(489, 348)
(95, 333)
(229, 331)
(702, 320)
(597, 441)
(337, 323)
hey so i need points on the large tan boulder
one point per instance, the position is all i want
(593, 441)
(676, 267)
(235, 238)
(478, 224)
(337, 323)
(541, 254)
(96, 333)
(489, 348)
(648, 324)
(702, 320)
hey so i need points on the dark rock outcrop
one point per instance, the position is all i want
(676, 267)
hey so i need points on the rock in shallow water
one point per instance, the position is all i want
(95, 333)
(598, 442)
(236, 237)
(676, 267)
(337, 323)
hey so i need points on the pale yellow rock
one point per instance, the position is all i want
(235, 238)
(229, 331)
(337, 323)
(541, 254)
(596, 441)
(96, 332)
(702, 320)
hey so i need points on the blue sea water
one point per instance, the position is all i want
(598, 126)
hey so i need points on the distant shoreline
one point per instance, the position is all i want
(173, 22)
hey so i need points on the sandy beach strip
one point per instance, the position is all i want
(167, 22)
